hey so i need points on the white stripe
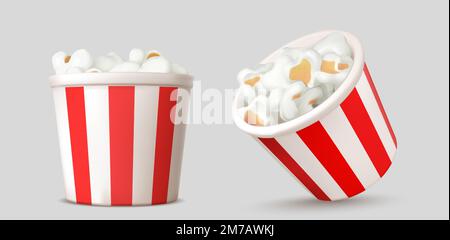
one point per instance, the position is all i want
(97, 128)
(145, 119)
(181, 112)
(298, 150)
(375, 114)
(62, 120)
(344, 137)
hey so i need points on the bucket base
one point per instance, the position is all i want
(110, 205)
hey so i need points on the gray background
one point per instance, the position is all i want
(406, 46)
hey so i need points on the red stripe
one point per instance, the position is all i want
(292, 165)
(78, 140)
(163, 146)
(380, 105)
(121, 129)
(323, 147)
(358, 117)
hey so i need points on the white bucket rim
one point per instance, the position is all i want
(121, 79)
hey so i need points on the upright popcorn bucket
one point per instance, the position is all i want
(342, 146)
(121, 136)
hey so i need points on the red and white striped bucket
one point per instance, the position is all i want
(341, 147)
(119, 138)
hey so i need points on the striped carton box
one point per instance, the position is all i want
(120, 138)
(344, 145)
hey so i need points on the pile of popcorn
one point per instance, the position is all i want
(295, 82)
(81, 61)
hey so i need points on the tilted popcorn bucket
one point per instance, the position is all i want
(121, 136)
(341, 147)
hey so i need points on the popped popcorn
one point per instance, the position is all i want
(306, 64)
(288, 104)
(126, 67)
(106, 63)
(156, 64)
(295, 83)
(136, 55)
(257, 112)
(81, 61)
